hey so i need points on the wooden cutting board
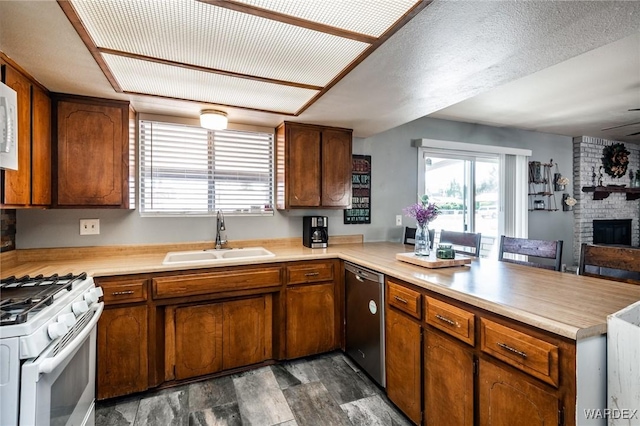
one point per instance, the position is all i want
(432, 261)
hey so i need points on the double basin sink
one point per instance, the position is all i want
(215, 256)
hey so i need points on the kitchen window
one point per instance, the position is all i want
(188, 170)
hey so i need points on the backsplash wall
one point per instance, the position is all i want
(8, 223)
(587, 156)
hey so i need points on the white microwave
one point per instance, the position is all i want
(8, 128)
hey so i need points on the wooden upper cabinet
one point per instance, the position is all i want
(30, 185)
(17, 183)
(41, 148)
(336, 168)
(313, 166)
(92, 147)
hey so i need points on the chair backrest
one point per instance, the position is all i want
(410, 236)
(610, 262)
(533, 248)
(461, 240)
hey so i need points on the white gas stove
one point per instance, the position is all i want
(47, 349)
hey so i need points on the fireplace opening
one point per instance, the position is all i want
(612, 231)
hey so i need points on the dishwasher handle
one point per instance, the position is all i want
(362, 274)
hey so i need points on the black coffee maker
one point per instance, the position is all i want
(315, 231)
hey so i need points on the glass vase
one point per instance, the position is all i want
(422, 247)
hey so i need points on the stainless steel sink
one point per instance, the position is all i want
(214, 256)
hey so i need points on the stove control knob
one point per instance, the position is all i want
(90, 297)
(79, 308)
(57, 329)
(69, 319)
(98, 292)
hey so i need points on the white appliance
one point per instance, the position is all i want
(8, 128)
(48, 350)
(623, 366)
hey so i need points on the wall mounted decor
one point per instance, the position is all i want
(615, 159)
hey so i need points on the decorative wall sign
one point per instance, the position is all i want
(360, 211)
(615, 159)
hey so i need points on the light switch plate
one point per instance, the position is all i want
(398, 220)
(89, 226)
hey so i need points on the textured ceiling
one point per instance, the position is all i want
(452, 53)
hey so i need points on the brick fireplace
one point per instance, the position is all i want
(616, 209)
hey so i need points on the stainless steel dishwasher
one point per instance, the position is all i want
(364, 300)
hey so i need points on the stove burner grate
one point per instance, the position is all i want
(26, 295)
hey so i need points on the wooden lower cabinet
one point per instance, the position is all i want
(198, 340)
(448, 381)
(207, 338)
(311, 320)
(403, 363)
(122, 351)
(247, 329)
(508, 399)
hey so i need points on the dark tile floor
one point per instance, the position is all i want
(323, 390)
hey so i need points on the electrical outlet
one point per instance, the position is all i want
(89, 226)
(398, 220)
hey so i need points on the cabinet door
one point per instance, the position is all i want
(336, 168)
(122, 351)
(198, 340)
(508, 399)
(17, 183)
(92, 154)
(448, 382)
(310, 320)
(41, 149)
(303, 166)
(246, 332)
(403, 362)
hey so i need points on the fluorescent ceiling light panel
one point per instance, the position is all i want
(269, 55)
(196, 33)
(370, 17)
(138, 76)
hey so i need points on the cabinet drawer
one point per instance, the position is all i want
(529, 354)
(405, 299)
(309, 273)
(124, 291)
(214, 282)
(450, 319)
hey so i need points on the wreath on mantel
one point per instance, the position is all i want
(615, 159)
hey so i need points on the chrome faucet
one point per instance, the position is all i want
(219, 228)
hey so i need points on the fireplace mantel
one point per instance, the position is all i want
(602, 192)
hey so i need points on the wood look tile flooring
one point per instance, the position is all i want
(323, 390)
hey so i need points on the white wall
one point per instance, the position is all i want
(394, 186)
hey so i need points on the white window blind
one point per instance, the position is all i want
(191, 170)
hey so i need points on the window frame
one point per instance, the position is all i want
(211, 208)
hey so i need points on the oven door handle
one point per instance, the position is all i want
(50, 364)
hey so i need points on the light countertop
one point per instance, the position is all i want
(568, 305)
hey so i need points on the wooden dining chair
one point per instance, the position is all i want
(539, 249)
(466, 243)
(410, 236)
(610, 262)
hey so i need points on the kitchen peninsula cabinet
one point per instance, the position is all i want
(313, 166)
(91, 150)
(30, 185)
(123, 350)
(311, 324)
(403, 349)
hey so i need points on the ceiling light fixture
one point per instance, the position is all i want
(213, 119)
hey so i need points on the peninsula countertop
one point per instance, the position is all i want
(568, 305)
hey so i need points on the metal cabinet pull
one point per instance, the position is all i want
(400, 299)
(311, 274)
(121, 293)
(510, 349)
(447, 320)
